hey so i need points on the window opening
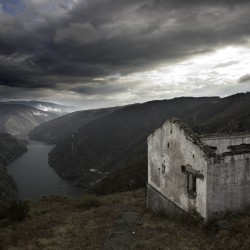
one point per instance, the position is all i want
(192, 175)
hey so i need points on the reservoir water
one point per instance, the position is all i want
(35, 178)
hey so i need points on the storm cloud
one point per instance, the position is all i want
(245, 78)
(65, 45)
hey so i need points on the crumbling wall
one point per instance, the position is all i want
(222, 142)
(219, 163)
(170, 148)
(228, 183)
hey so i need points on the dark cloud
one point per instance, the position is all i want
(97, 38)
(99, 89)
(245, 78)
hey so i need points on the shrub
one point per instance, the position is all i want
(55, 198)
(14, 210)
(88, 201)
(3, 210)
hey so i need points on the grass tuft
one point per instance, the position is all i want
(88, 201)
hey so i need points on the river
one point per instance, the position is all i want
(35, 178)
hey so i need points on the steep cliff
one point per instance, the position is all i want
(10, 149)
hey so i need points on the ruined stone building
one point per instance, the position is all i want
(208, 175)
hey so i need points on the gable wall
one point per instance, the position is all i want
(181, 151)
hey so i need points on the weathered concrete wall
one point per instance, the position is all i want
(228, 183)
(156, 202)
(222, 142)
(169, 147)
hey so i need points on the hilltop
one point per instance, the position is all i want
(117, 221)
(45, 106)
(19, 119)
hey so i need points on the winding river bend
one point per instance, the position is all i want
(35, 178)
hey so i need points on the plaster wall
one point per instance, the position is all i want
(222, 142)
(156, 202)
(169, 147)
(228, 183)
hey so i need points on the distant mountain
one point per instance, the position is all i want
(10, 149)
(62, 127)
(18, 119)
(46, 106)
(228, 115)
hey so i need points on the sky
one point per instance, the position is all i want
(101, 53)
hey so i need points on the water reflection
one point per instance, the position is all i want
(35, 178)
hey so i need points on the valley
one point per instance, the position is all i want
(35, 178)
(108, 152)
(105, 151)
(17, 170)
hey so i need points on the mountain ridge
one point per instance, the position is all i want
(18, 119)
(45, 106)
(56, 130)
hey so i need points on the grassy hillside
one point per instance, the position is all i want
(227, 115)
(116, 222)
(99, 144)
